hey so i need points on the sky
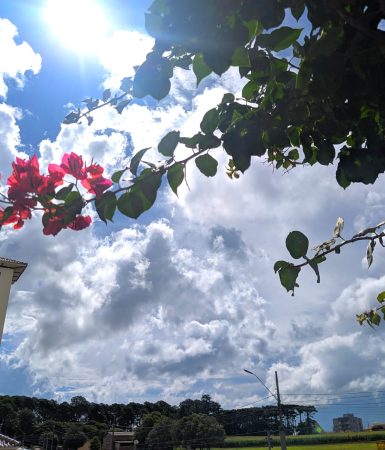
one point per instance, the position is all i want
(175, 304)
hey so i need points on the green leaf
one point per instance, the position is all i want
(175, 176)
(106, 206)
(153, 24)
(294, 134)
(191, 142)
(135, 160)
(207, 141)
(314, 265)
(207, 165)
(126, 84)
(381, 297)
(210, 121)
(130, 204)
(326, 153)
(121, 105)
(297, 244)
(250, 90)
(375, 318)
(118, 175)
(298, 10)
(168, 143)
(288, 276)
(293, 154)
(63, 192)
(279, 39)
(227, 99)
(369, 252)
(240, 58)
(72, 198)
(279, 265)
(142, 194)
(72, 117)
(106, 95)
(74, 204)
(200, 68)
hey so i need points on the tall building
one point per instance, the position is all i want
(347, 423)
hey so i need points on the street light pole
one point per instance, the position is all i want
(282, 436)
(277, 396)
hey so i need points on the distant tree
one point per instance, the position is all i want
(203, 406)
(48, 440)
(160, 436)
(80, 407)
(95, 443)
(26, 421)
(198, 431)
(147, 423)
(73, 439)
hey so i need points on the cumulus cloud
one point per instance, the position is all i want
(15, 59)
(122, 51)
(136, 306)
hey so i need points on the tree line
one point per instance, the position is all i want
(50, 423)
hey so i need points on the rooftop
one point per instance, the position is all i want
(17, 266)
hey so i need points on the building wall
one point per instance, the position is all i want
(347, 423)
(119, 441)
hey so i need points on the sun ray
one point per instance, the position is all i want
(79, 25)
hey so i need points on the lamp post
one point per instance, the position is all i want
(10, 271)
(277, 396)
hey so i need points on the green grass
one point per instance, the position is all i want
(350, 446)
(243, 442)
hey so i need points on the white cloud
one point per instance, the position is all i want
(121, 52)
(15, 59)
(133, 307)
(9, 138)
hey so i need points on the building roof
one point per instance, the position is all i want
(17, 266)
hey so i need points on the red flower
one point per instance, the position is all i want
(56, 174)
(95, 170)
(72, 164)
(97, 185)
(53, 226)
(80, 222)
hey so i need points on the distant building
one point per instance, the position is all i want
(119, 440)
(347, 423)
(377, 427)
(8, 442)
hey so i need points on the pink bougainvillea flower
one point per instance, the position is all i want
(53, 226)
(80, 222)
(97, 185)
(25, 175)
(72, 164)
(94, 170)
(56, 173)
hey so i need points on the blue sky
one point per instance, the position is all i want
(176, 304)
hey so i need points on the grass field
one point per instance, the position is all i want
(365, 440)
(350, 446)
(379, 435)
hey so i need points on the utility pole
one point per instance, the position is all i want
(282, 436)
(269, 439)
(277, 396)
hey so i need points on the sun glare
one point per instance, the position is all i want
(79, 25)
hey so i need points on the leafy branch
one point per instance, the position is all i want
(298, 244)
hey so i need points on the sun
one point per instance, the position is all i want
(80, 25)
